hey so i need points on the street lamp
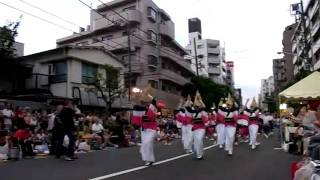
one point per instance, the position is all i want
(136, 90)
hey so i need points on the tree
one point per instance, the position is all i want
(210, 91)
(107, 82)
(8, 34)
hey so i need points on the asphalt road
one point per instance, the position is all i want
(264, 163)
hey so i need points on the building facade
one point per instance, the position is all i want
(266, 92)
(230, 73)
(210, 54)
(306, 38)
(156, 58)
(68, 72)
(283, 69)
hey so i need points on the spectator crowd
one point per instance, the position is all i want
(63, 131)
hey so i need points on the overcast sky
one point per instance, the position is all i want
(251, 29)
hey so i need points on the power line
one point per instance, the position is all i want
(47, 12)
(42, 19)
(116, 23)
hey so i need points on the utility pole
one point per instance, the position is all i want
(129, 62)
(196, 56)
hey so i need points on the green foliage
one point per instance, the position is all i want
(107, 83)
(7, 40)
(210, 91)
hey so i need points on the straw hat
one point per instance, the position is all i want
(188, 103)
(254, 103)
(198, 100)
(146, 95)
(229, 100)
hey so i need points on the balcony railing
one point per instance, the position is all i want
(38, 81)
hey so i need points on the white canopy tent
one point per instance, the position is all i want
(306, 89)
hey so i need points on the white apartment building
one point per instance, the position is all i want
(210, 54)
(266, 90)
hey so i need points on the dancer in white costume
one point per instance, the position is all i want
(185, 118)
(199, 119)
(220, 126)
(229, 113)
(252, 115)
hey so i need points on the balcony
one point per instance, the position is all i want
(214, 70)
(167, 29)
(316, 46)
(38, 81)
(120, 43)
(213, 43)
(294, 47)
(174, 77)
(214, 51)
(133, 16)
(214, 60)
(315, 28)
(314, 9)
(175, 57)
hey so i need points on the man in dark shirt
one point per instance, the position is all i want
(68, 129)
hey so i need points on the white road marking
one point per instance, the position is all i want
(143, 167)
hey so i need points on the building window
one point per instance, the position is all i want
(60, 71)
(153, 84)
(152, 36)
(152, 14)
(89, 73)
(107, 37)
(152, 60)
(129, 8)
(152, 69)
(124, 33)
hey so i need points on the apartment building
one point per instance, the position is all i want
(156, 58)
(306, 38)
(283, 69)
(210, 54)
(266, 91)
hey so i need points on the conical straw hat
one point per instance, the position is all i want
(229, 100)
(146, 95)
(188, 103)
(198, 100)
(254, 102)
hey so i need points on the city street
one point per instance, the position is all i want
(265, 163)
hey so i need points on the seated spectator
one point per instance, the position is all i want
(97, 128)
(40, 142)
(23, 138)
(4, 146)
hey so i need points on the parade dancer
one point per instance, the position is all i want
(185, 118)
(199, 119)
(230, 114)
(252, 115)
(220, 126)
(148, 134)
